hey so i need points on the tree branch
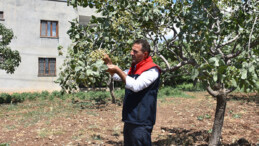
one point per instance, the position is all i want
(212, 92)
(233, 55)
(229, 42)
(166, 62)
(250, 36)
(180, 64)
(230, 90)
(212, 51)
(220, 52)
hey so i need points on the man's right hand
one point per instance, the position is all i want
(107, 60)
(112, 69)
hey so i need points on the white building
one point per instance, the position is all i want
(39, 26)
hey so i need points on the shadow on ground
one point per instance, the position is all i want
(180, 136)
(245, 97)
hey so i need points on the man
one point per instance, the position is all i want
(139, 105)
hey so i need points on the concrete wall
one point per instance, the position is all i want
(23, 17)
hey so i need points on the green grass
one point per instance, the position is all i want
(86, 99)
(172, 92)
(190, 87)
(4, 144)
(32, 112)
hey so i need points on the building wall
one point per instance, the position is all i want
(24, 17)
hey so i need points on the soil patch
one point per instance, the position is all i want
(180, 121)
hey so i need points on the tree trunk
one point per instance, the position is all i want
(111, 87)
(218, 121)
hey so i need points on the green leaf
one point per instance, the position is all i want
(215, 77)
(77, 36)
(244, 74)
(82, 76)
(234, 83)
(251, 68)
(78, 68)
(214, 60)
(81, 63)
(195, 73)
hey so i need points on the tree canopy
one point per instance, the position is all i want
(9, 59)
(216, 40)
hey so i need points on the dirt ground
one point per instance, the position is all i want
(180, 121)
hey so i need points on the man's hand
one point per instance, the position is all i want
(107, 60)
(112, 69)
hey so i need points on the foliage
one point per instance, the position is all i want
(219, 38)
(9, 59)
(80, 68)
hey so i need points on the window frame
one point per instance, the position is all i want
(2, 18)
(47, 74)
(46, 36)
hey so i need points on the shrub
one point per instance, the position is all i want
(98, 96)
(34, 95)
(81, 95)
(55, 94)
(5, 98)
(44, 94)
(25, 95)
(119, 94)
(16, 97)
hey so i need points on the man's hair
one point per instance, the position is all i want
(145, 45)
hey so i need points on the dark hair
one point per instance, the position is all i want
(145, 45)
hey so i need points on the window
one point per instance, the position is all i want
(49, 28)
(47, 66)
(1, 15)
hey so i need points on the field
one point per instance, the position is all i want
(180, 121)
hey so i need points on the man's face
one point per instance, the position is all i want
(137, 54)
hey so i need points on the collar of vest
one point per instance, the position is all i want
(142, 66)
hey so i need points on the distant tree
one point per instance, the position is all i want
(9, 59)
(217, 41)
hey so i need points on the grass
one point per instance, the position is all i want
(49, 132)
(4, 144)
(172, 92)
(32, 112)
(90, 97)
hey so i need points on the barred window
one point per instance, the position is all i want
(47, 66)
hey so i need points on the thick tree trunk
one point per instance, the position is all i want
(218, 121)
(111, 87)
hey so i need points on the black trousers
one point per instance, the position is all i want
(137, 135)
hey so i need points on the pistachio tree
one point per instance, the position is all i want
(9, 59)
(216, 40)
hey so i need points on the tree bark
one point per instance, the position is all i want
(111, 88)
(218, 121)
